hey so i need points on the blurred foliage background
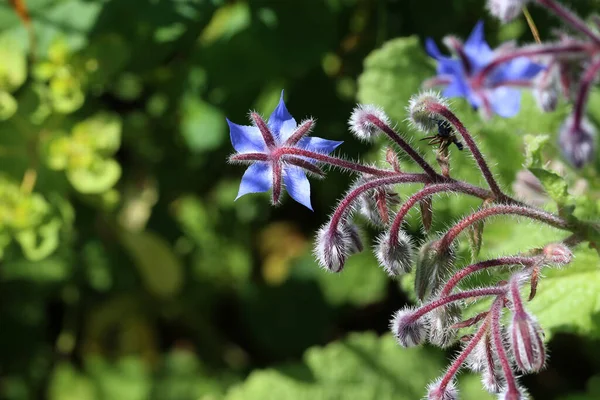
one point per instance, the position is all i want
(128, 272)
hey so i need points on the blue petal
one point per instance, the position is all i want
(318, 145)
(457, 88)
(258, 178)
(287, 129)
(446, 65)
(279, 116)
(246, 139)
(505, 101)
(520, 69)
(477, 49)
(433, 50)
(297, 185)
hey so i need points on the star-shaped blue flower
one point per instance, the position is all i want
(497, 92)
(279, 154)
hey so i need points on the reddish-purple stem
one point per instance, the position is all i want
(392, 134)
(473, 268)
(459, 361)
(569, 17)
(338, 162)
(467, 294)
(496, 314)
(445, 112)
(584, 91)
(528, 212)
(249, 157)
(302, 163)
(427, 192)
(277, 171)
(347, 201)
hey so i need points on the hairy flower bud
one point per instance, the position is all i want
(578, 141)
(449, 392)
(362, 123)
(506, 10)
(527, 340)
(375, 204)
(529, 188)
(433, 266)
(441, 319)
(507, 395)
(395, 258)
(558, 254)
(419, 113)
(408, 331)
(333, 247)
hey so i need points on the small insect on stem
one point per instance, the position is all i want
(445, 136)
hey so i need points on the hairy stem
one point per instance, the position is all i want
(584, 90)
(496, 262)
(458, 125)
(407, 148)
(347, 201)
(570, 18)
(496, 314)
(528, 212)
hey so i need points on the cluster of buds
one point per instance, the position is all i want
(495, 351)
(491, 79)
(281, 154)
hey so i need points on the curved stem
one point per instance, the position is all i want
(496, 313)
(392, 134)
(338, 162)
(529, 51)
(583, 94)
(528, 212)
(347, 201)
(570, 18)
(462, 357)
(467, 294)
(497, 262)
(457, 187)
(458, 125)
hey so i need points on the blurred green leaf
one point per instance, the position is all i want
(66, 383)
(100, 176)
(8, 105)
(202, 125)
(13, 69)
(226, 22)
(160, 269)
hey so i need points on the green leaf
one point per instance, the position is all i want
(98, 178)
(52, 269)
(226, 22)
(360, 367)
(8, 105)
(40, 242)
(568, 299)
(126, 379)
(554, 184)
(203, 126)
(158, 266)
(534, 144)
(103, 131)
(13, 68)
(66, 383)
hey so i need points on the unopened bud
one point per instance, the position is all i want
(334, 246)
(375, 204)
(527, 340)
(436, 392)
(419, 112)
(520, 394)
(362, 121)
(433, 266)
(558, 254)
(396, 257)
(529, 188)
(441, 332)
(578, 141)
(506, 10)
(409, 331)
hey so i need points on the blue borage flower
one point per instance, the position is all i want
(279, 153)
(495, 90)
